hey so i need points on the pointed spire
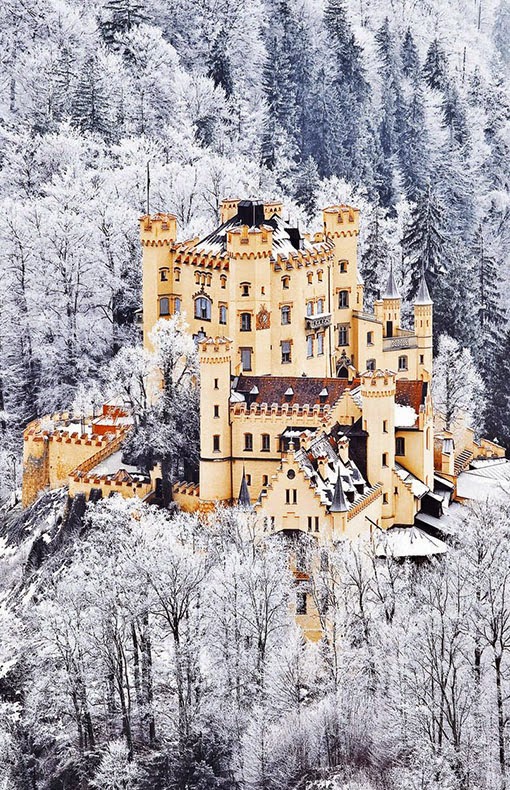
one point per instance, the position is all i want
(244, 495)
(339, 502)
(423, 296)
(391, 291)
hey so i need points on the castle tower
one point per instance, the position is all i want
(388, 308)
(423, 309)
(378, 395)
(215, 355)
(157, 234)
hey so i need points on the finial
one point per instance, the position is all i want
(423, 295)
(391, 291)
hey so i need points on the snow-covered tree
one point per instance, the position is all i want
(458, 388)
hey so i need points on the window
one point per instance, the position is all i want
(370, 338)
(300, 602)
(163, 275)
(245, 289)
(248, 442)
(343, 298)
(320, 345)
(203, 308)
(309, 346)
(245, 322)
(216, 384)
(427, 439)
(223, 281)
(177, 274)
(285, 282)
(385, 499)
(177, 304)
(384, 459)
(248, 480)
(385, 426)
(164, 306)
(422, 359)
(309, 277)
(343, 267)
(343, 336)
(223, 314)
(320, 306)
(265, 480)
(286, 354)
(370, 364)
(309, 308)
(310, 520)
(285, 314)
(319, 275)
(316, 523)
(216, 443)
(400, 445)
(246, 358)
(216, 411)
(291, 496)
(266, 443)
(402, 363)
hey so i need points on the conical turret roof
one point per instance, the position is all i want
(391, 291)
(423, 296)
(244, 495)
(339, 502)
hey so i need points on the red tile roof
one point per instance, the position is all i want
(411, 393)
(272, 389)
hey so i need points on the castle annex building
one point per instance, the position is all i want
(315, 415)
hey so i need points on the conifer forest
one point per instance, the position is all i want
(141, 649)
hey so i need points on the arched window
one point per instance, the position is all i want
(266, 443)
(245, 322)
(177, 274)
(164, 306)
(223, 280)
(163, 275)
(223, 314)
(197, 278)
(248, 442)
(319, 275)
(343, 298)
(203, 308)
(402, 363)
(285, 314)
(320, 306)
(286, 282)
(309, 277)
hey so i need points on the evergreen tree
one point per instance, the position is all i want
(91, 102)
(414, 150)
(424, 243)
(490, 313)
(307, 187)
(391, 111)
(375, 256)
(435, 66)
(454, 116)
(409, 56)
(120, 17)
(219, 63)
(498, 411)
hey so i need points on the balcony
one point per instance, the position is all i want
(319, 321)
(400, 341)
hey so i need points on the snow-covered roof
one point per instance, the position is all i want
(488, 480)
(406, 542)
(405, 416)
(418, 488)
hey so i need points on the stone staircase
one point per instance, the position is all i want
(462, 461)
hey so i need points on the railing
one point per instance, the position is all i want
(318, 321)
(365, 316)
(393, 343)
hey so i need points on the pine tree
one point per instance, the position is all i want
(219, 63)
(375, 256)
(409, 56)
(498, 411)
(91, 102)
(307, 186)
(391, 111)
(454, 116)
(120, 17)
(414, 150)
(424, 244)
(435, 66)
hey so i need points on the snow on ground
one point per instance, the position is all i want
(112, 464)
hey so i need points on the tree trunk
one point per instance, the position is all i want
(501, 720)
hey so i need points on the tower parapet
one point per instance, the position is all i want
(378, 390)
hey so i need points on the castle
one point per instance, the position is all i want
(315, 415)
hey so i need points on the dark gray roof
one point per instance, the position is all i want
(244, 495)
(423, 296)
(339, 502)
(391, 291)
